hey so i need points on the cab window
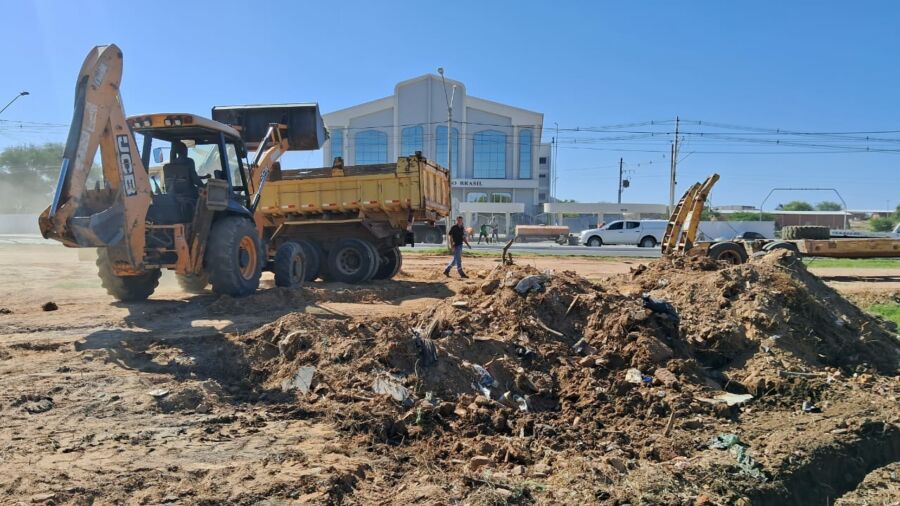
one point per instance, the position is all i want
(632, 224)
(617, 225)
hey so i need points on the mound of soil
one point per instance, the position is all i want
(547, 376)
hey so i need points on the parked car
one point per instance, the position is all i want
(643, 233)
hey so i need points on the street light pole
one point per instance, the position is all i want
(22, 94)
(449, 101)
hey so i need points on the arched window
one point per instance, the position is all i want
(411, 140)
(370, 147)
(525, 153)
(490, 155)
(337, 143)
(440, 145)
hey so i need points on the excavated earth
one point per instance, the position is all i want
(681, 382)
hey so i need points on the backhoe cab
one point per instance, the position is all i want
(176, 191)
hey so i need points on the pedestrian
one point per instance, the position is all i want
(483, 234)
(457, 237)
(494, 235)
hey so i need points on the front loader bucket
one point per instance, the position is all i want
(305, 128)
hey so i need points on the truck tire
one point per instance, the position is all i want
(193, 283)
(234, 258)
(350, 261)
(390, 266)
(289, 265)
(648, 242)
(376, 260)
(805, 232)
(595, 242)
(125, 288)
(314, 256)
(730, 252)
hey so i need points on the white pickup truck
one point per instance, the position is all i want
(643, 233)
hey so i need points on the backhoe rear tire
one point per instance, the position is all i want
(290, 265)
(125, 288)
(390, 265)
(234, 257)
(193, 283)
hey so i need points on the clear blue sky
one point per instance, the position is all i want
(803, 66)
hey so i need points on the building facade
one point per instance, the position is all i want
(497, 155)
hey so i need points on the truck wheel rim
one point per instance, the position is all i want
(730, 256)
(247, 257)
(349, 261)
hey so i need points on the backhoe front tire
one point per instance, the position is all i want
(125, 288)
(289, 265)
(234, 257)
(193, 283)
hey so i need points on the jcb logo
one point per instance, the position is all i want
(126, 168)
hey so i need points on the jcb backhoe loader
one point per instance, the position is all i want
(199, 218)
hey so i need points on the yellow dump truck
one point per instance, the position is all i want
(349, 221)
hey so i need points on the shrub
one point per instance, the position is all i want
(881, 224)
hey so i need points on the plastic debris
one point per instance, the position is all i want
(733, 444)
(460, 304)
(302, 380)
(727, 398)
(530, 284)
(427, 350)
(485, 381)
(660, 306)
(809, 407)
(386, 385)
(159, 392)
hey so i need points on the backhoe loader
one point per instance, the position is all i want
(177, 191)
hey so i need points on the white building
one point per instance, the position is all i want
(499, 163)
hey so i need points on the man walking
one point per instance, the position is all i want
(457, 237)
(484, 234)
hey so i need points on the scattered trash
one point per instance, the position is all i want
(809, 407)
(634, 375)
(732, 443)
(302, 380)
(385, 385)
(4, 310)
(532, 283)
(159, 392)
(49, 306)
(727, 398)
(660, 306)
(427, 350)
(485, 381)
(460, 304)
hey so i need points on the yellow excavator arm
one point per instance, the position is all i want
(681, 231)
(113, 215)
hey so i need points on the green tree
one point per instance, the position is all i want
(28, 175)
(827, 205)
(796, 205)
(884, 224)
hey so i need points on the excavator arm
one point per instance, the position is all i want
(112, 215)
(681, 231)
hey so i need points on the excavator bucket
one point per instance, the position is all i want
(305, 128)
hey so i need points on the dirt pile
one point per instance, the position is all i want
(547, 376)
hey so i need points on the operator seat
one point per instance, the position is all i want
(180, 174)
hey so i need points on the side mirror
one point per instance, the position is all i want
(157, 155)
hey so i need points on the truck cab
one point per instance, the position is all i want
(643, 233)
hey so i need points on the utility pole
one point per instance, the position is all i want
(673, 164)
(620, 180)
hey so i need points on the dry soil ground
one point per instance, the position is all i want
(158, 402)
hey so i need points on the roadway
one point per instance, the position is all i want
(551, 248)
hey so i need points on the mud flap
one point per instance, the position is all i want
(106, 228)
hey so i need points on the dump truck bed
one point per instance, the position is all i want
(384, 191)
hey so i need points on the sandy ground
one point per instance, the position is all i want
(82, 387)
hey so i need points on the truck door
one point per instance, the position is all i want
(614, 233)
(632, 232)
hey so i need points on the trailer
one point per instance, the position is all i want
(737, 252)
(346, 223)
